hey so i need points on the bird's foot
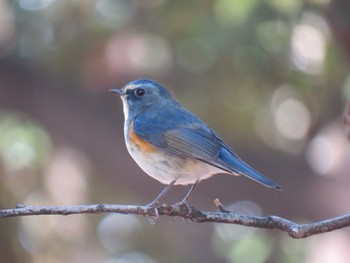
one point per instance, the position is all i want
(184, 205)
(184, 201)
(153, 220)
(155, 204)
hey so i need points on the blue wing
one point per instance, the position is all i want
(189, 137)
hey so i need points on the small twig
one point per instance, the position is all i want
(218, 204)
(269, 222)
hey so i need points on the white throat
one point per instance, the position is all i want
(126, 115)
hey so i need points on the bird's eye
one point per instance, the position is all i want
(140, 92)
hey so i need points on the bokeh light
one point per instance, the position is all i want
(328, 152)
(7, 29)
(292, 119)
(116, 232)
(308, 45)
(144, 54)
(230, 233)
(233, 11)
(286, 124)
(34, 5)
(286, 6)
(329, 249)
(239, 241)
(38, 36)
(116, 12)
(66, 177)
(133, 257)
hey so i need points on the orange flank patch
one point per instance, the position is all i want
(138, 142)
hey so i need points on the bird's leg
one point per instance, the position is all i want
(155, 203)
(185, 200)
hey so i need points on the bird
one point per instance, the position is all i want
(171, 144)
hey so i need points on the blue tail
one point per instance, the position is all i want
(235, 164)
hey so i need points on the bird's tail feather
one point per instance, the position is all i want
(239, 166)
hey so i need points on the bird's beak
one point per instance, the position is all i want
(117, 91)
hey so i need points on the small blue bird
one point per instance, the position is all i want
(171, 144)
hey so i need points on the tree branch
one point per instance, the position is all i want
(294, 230)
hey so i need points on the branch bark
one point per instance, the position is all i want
(293, 229)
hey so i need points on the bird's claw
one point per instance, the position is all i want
(185, 204)
(153, 219)
(188, 207)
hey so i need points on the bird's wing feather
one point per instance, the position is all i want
(192, 143)
(199, 144)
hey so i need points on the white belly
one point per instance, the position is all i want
(167, 168)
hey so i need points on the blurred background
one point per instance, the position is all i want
(271, 77)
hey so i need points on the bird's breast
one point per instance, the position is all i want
(137, 142)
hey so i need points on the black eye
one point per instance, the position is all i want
(140, 92)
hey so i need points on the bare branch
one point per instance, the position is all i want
(294, 230)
